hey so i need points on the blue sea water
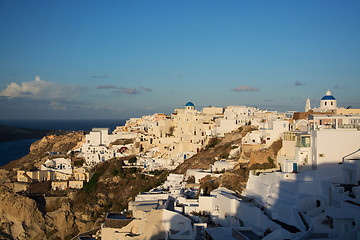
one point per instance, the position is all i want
(13, 150)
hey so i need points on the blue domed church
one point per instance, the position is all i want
(328, 102)
(189, 106)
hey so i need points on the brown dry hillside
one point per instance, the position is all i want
(121, 184)
(262, 156)
(217, 148)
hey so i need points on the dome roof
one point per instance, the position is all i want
(189, 104)
(328, 98)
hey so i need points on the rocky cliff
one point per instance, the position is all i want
(31, 214)
(19, 216)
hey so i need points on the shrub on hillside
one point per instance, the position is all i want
(92, 184)
(212, 143)
(79, 163)
(271, 161)
(132, 160)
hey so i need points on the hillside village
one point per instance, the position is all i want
(235, 173)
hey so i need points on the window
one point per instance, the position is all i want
(303, 141)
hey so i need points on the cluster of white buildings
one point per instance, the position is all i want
(315, 194)
(162, 141)
(96, 148)
(320, 139)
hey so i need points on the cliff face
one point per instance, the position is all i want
(22, 217)
(33, 216)
(19, 216)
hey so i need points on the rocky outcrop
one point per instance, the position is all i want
(263, 155)
(19, 216)
(63, 220)
(57, 143)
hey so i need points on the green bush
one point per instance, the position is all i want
(79, 163)
(132, 160)
(261, 166)
(92, 184)
(271, 161)
(212, 143)
(156, 172)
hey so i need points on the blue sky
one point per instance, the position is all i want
(121, 59)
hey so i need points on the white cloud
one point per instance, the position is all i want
(40, 89)
(245, 88)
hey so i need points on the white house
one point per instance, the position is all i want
(62, 165)
(222, 165)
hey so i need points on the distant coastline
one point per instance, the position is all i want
(64, 125)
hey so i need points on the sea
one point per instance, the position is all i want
(13, 150)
